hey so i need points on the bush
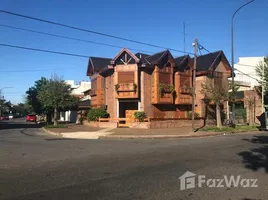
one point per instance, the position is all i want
(189, 115)
(140, 115)
(95, 113)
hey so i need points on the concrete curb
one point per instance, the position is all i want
(193, 135)
(51, 132)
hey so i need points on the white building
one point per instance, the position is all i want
(245, 74)
(78, 90)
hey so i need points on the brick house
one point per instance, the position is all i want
(158, 84)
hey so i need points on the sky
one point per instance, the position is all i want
(152, 21)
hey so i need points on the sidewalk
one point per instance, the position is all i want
(78, 132)
(86, 132)
(183, 132)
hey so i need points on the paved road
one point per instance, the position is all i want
(34, 165)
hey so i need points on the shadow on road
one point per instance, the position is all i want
(17, 125)
(256, 158)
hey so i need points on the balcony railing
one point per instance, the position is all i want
(184, 101)
(185, 90)
(125, 87)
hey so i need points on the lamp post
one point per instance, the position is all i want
(1, 98)
(232, 52)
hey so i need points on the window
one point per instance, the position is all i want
(164, 78)
(125, 77)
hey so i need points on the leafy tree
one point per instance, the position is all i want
(57, 95)
(31, 96)
(262, 69)
(215, 89)
(95, 113)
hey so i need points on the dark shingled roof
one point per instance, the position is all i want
(142, 57)
(181, 62)
(95, 64)
(210, 61)
(155, 58)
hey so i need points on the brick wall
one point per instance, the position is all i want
(110, 99)
(146, 93)
(257, 111)
(200, 106)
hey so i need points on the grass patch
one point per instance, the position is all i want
(238, 128)
(58, 126)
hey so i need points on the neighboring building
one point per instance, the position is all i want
(146, 82)
(246, 78)
(245, 74)
(80, 90)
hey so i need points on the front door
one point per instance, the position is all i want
(127, 105)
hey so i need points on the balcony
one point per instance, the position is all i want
(163, 94)
(126, 87)
(126, 90)
(184, 100)
(185, 90)
(166, 98)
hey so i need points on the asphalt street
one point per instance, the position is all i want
(34, 165)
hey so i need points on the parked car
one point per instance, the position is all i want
(11, 116)
(31, 118)
(4, 117)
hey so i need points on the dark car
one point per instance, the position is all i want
(4, 117)
(31, 118)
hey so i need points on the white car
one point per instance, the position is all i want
(10, 117)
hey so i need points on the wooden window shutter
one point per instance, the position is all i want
(164, 78)
(125, 77)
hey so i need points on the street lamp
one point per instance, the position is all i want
(232, 52)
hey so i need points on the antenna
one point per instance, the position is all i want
(184, 48)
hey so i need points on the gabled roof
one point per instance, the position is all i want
(182, 62)
(128, 52)
(209, 62)
(153, 59)
(96, 64)
(156, 58)
(142, 57)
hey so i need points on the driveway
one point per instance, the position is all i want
(34, 165)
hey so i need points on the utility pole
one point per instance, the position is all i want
(195, 44)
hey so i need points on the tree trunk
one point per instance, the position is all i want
(55, 117)
(218, 115)
(250, 116)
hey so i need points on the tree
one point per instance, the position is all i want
(31, 96)
(215, 89)
(262, 72)
(57, 95)
(250, 102)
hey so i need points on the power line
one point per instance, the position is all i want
(90, 31)
(234, 69)
(42, 50)
(264, 4)
(71, 38)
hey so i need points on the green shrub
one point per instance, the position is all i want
(189, 115)
(95, 113)
(140, 115)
